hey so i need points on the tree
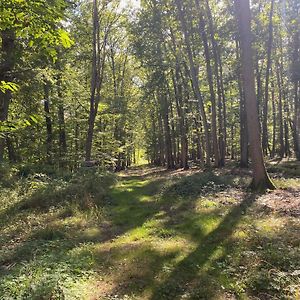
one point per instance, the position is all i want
(40, 32)
(265, 138)
(260, 180)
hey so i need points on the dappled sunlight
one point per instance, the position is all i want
(146, 241)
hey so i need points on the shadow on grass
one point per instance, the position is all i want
(188, 276)
(135, 201)
(286, 169)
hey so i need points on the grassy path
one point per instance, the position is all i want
(156, 235)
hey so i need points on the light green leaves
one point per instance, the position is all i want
(8, 86)
(65, 39)
(11, 126)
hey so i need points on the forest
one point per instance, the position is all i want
(149, 149)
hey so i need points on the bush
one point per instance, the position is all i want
(29, 169)
(86, 188)
(8, 175)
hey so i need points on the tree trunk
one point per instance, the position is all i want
(48, 121)
(296, 82)
(274, 120)
(181, 116)
(261, 180)
(11, 150)
(195, 81)
(265, 135)
(7, 65)
(92, 115)
(202, 32)
(244, 155)
(168, 141)
(280, 116)
(98, 62)
(220, 86)
(61, 119)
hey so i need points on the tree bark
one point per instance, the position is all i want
(195, 81)
(280, 115)
(261, 180)
(296, 83)
(218, 70)
(61, 119)
(98, 61)
(202, 33)
(7, 65)
(48, 121)
(265, 135)
(244, 155)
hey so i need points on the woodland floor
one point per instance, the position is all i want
(158, 235)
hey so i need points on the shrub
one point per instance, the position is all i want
(7, 175)
(86, 188)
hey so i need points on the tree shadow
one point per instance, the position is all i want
(286, 169)
(130, 207)
(188, 274)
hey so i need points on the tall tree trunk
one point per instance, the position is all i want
(202, 32)
(296, 82)
(274, 120)
(61, 119)
(195, 81)
(168, 141)
(265, 135)
(98, 61)
(11, 150)
(280, 116)
(181, 116)
(162, 159)
(261, 180)
(296, 121)
(220, 86)
(48, 121)
(244, 155)
(7, 65)
(287, 151)
(92, 115)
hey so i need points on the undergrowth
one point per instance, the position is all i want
(94, 235)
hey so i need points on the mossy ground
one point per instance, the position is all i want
(154, 235)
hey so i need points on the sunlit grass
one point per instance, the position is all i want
(151, 237)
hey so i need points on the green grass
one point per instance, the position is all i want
(147, 236)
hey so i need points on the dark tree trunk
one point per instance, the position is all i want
(182, 125)
(61, 120)
(7, 65)
(168, 140)
(265, 135)
(261, 180)
(195, 81)
(274, 121)
(218, 70)
(98, 61)
(202, 32)
(48, 121)
(244, 155)
(161, 142)
(180, 107)
(11, 150)
(296, 81)
(280, 116)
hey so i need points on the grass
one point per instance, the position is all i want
(151, 235)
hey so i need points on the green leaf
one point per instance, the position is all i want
(5, 85)
(65, 39)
